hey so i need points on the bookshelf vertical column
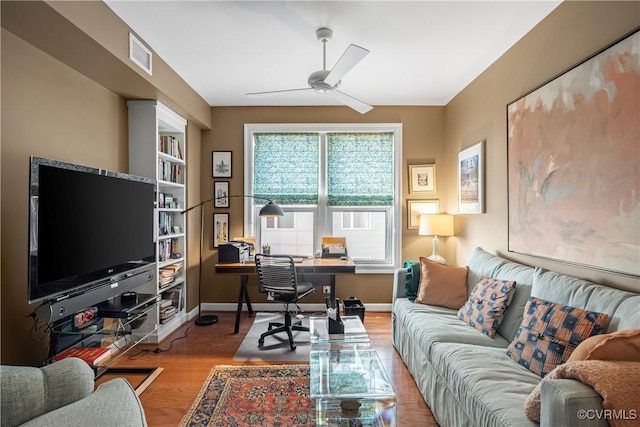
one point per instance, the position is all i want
(157, 149)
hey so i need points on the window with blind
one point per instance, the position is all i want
(330, 180)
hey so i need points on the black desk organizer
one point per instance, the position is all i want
(353, 307)
(333, 317)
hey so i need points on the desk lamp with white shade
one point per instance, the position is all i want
(436, 225)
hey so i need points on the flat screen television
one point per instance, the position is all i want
(87, 226)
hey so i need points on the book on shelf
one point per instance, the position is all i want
(94, 356)
(176, 297)
(171, 146)
(168, 312)
(168, 274)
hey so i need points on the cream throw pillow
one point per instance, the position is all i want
(442, 285)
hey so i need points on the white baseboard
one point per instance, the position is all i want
(278, 307)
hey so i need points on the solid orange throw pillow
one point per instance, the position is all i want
(622, 345)
(442, 285)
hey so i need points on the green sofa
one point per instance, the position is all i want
(467, 379)
(62, 394)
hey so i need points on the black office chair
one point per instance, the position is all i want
(277, 277)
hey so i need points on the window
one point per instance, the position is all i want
(356, 220)
(331, 180)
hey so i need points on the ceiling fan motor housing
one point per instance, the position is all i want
(324, 34)
(316, 81)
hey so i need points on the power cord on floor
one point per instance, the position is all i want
(162, 350)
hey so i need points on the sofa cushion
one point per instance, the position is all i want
(626, 316)
(430, 324)
(621, 346)
(486, 305)
(550, 332)
(575, 292)
(441, 284)
(489, 386)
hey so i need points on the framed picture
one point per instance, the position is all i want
(422, 179)
(415, 208)
(220, 229)
(572, 155)
(471, 179)
(220, 194)
(221, 164)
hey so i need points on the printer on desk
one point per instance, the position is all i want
(233, 251)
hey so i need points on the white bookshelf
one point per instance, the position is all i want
(157, 149)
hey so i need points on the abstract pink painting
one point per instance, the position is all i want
(574, 164)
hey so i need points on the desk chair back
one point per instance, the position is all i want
(277, 274)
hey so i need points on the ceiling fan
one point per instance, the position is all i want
(325, 81)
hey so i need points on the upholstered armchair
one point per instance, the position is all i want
(62, 394)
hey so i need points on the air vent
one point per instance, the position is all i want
(139, 53)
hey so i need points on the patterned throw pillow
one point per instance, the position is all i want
(487, 303)
(550, 332)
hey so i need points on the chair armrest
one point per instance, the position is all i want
(28, 392)
(570, 403)
(399, 278)
(114, 403)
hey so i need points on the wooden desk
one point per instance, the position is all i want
(317, 266)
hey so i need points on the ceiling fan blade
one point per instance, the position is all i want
(349, 59)
(278, 91)
(350, 101)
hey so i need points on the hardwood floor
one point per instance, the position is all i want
(189, 360)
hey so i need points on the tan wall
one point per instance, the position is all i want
(573, 32)
(423, 133)
(50, 111)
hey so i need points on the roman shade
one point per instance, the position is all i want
(360, 169)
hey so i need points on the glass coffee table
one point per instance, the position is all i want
(348, 380)
(354, 333)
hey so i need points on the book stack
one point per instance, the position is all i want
(94, 356)
(167, 312)
(169, 274)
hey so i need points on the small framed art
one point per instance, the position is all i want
(220, 194)
(221, 164)
(220, 229)
(422, 179)
(415, 208)
(471, 179)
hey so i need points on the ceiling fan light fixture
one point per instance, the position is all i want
(316, 81)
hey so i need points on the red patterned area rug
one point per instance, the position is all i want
(267, 395)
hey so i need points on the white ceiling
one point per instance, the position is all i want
(421, 52)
